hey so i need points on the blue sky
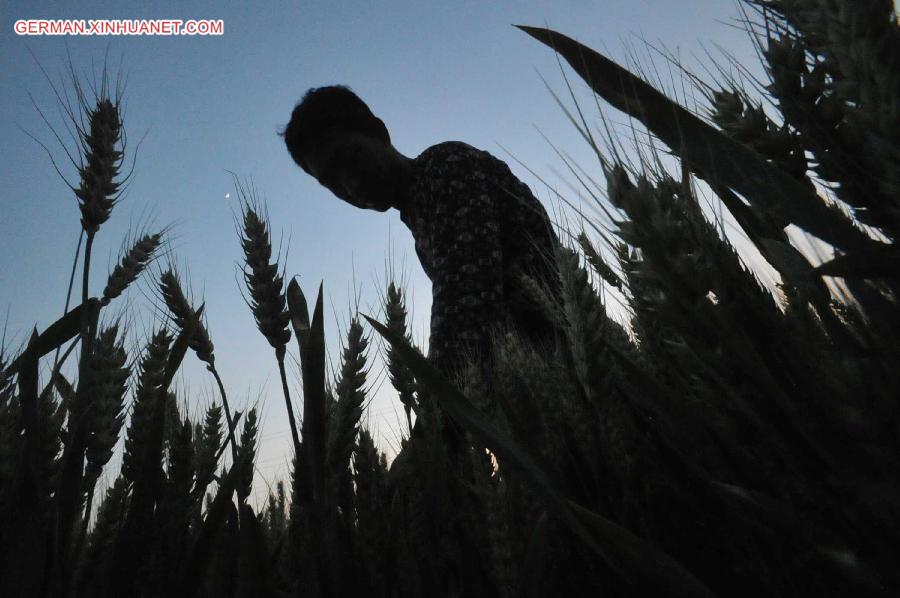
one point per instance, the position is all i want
(433, 71)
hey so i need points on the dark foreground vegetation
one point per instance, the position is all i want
(725, 442)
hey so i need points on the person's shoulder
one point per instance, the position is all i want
(449, 151)
(457, 157)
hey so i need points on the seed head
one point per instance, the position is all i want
(109, 380)
(150, 380)
(344, 422)
(131, 266)
(266, 286)
(182, 313)
(597, 262)
(247, 453)
(400, 376)
(97, 193)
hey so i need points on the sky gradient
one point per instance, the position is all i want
(203, 106)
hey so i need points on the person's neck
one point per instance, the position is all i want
(405, 174)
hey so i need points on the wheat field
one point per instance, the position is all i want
(725, 439)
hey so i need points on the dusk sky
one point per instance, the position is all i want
(202, 106)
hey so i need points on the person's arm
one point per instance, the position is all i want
(468, 262)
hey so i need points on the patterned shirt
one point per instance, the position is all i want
(477, 230)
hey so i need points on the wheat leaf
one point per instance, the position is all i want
(23, 506)
(298, 310)
(203, 549)
(878, 262)
(646, 562)
(607, 537)
(714, 155)
(312, 357)
(58, 333)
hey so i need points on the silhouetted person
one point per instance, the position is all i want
(477, 228)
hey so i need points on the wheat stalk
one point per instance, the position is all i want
(597, 262)
(350, 397)
(109, 381)
(201, 344)
(247, 455)
(150, 379)
(400, 376)
(207, 439)
(368, 478)
(181, 464)
(183, 313)
(97, 193)
(93, 571)
(266, 287)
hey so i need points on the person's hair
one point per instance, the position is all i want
(323, 111)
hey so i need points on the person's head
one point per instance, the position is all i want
(334, 137)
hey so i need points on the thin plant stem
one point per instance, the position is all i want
(228, 419)
(69, 292)
(59, 362)
(86, 336)
(86, 348)
(279, 353)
